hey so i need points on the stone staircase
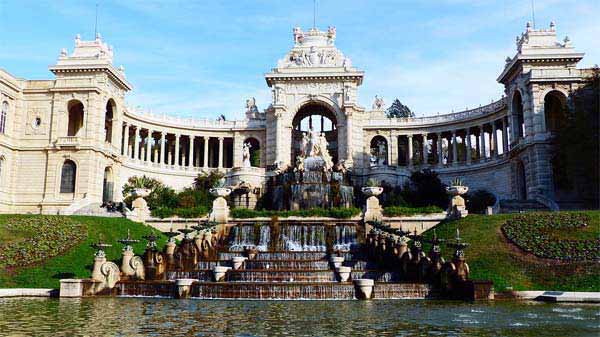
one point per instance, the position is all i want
(520, 206)
(94, 209)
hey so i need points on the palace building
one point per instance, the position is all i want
(71, 142)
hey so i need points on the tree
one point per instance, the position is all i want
(399, 110)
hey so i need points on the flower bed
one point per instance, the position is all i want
(549, 235)
(408, 211)
(35, 239)
(338, 213)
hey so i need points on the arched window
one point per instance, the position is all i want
(317, 117)
(379, 151)
(108, 120)
(75, 118)
(3, 115)
(254, 151)
(518, 117)
(68, 175)
(555, 104)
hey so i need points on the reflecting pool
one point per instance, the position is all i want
(157, 317)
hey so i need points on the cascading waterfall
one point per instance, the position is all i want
(264, 238)
(345, 237)
(242, 237)
(309, 238)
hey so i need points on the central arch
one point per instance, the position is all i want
(320, 117)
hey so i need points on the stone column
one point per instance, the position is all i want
(425, 150)
(468, 145)
(440, 150)
(477, 147)
(221, 150)
(148, 146)
(454, 149)
(206, 151)
(495, 139)
(349, 130)
(504, 137)
(176, 161)
(191, 152)
(410, 150)
(162, 147)
(482, 142)
(126, 142)
(136, 143)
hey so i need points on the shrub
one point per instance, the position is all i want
(536, 233)
(478, 201)
(187, 212)
(407, 211)
(338, 213)
(205, 181)
(425, 189)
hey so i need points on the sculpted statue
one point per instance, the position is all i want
(246, 155)
(298, 35)
(300, 164)
(378, 103)
(251, 109)
(315, 149)
(331, 34)
(304, 146)
(381, 152)
(324, 153)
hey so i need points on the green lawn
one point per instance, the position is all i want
(491, 257)
(75, 262)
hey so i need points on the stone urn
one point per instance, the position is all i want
(373, 210)
(219, 272)
(457, 207)
(184, 287)
(343, 273)
(141, 212)
(220, 210)
(238, 262)
(372, 191)
(364, 288)
(220, 192)
(337, 261)
(141, 192)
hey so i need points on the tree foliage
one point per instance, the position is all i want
(399, 110)
(578, 143)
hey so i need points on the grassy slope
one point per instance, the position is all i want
(76, 262)
(491, 257)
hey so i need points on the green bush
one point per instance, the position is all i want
(425, 189)
(182, 212)
(407, 211)
(547, 235)
(479, 200)
(338, 213)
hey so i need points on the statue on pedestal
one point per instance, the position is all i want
(246, 155)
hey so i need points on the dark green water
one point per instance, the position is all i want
(168, 317)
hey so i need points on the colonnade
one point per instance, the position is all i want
(174, 149)
(468, 145)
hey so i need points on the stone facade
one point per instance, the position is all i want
(80, 119)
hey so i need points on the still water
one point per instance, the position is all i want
(168, 317)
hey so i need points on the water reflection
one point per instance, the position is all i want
(155, 317)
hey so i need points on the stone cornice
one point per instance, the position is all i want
(519, 59)
(273, 78)
(106, 68)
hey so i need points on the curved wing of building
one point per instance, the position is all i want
(72, 141)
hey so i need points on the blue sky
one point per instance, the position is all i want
(204, 58)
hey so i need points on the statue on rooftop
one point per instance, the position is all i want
(251, 108)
